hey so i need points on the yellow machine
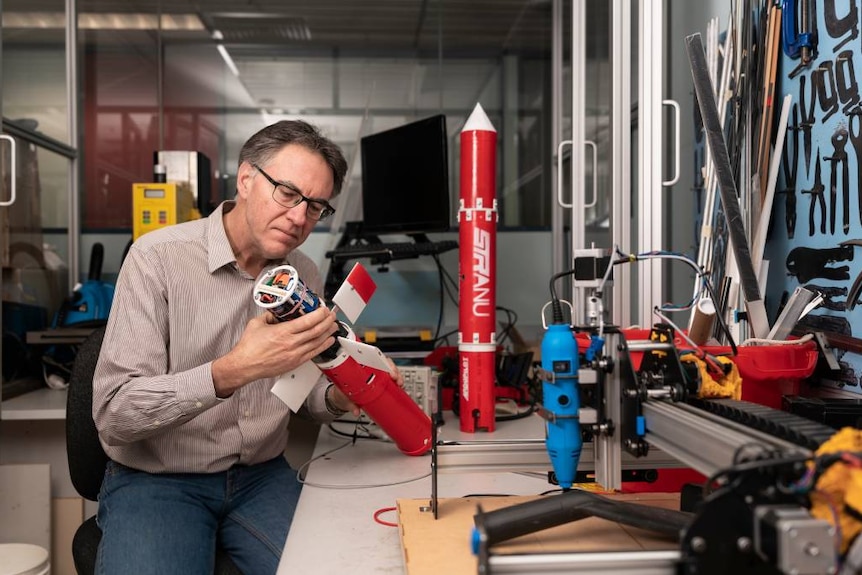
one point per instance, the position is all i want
(156, 205)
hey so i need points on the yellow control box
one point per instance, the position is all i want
(156, 205)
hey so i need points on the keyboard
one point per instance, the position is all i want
(391, 251)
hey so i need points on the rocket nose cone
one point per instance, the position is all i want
(478, 120)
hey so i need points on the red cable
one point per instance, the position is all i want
(380, 512)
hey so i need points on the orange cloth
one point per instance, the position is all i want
(727, 386)
(838, 492)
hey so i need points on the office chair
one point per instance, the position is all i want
(87, 459)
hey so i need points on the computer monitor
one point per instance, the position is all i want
(405, 179)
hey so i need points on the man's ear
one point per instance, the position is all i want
(244, 179)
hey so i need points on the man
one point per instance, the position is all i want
(181, 393)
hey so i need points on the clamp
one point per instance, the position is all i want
(799, 39)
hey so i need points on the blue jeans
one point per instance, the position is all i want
(171, 523)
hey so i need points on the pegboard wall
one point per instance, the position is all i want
(816, 232)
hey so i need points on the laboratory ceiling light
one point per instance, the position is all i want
(103, 21)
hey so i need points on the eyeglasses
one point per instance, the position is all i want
(286, 195)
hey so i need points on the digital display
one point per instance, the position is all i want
(154, 193)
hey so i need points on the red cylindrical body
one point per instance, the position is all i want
(477, 219)
(375, 392)
(477, 395)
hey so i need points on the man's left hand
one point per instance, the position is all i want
(342, 402)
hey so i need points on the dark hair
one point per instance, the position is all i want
(265, 144)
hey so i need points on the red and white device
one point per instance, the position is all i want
(477, 233)
(360, 371)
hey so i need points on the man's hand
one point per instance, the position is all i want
(339, 400)
(269, 348)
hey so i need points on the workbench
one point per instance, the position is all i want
(334, 529)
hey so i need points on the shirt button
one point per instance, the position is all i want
(247, 413)
(198, 404)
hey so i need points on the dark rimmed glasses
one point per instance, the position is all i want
(288, 196)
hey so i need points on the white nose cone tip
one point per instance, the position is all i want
(478, 120)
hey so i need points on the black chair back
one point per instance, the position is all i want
(87, 459)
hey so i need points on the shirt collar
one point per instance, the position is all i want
(220, 251)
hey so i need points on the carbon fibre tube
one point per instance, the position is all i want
(525, 518)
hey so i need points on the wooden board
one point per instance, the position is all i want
(431, 547)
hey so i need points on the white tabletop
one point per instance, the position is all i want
(334, 530)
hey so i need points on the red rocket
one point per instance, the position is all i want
(477, 219)
(359, 370)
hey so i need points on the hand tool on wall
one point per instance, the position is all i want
(856, 288)
(809, 263)
(817, 200)
(799, 32)
(845, 80)
(854, 132)
(839, 158)
(829, 294)
(789, 167)
(836, 324)
(823, 84)
(840, 26)
(807, 114)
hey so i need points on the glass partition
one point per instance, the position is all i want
(208, 80)
(37, 168)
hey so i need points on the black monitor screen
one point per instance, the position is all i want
(405, 179)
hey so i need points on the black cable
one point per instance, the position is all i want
(453, 283)
(444, 336)
(520, 415)
(442, 299)
(354, 436)
(556, 306)
(720, 316)
(511, 318)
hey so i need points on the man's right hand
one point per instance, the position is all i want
(269, 348)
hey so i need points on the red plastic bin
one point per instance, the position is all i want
(768, 371)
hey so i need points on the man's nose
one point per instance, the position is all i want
(298, 214)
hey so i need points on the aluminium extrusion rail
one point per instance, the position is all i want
(524, 455)
(702, 440)
(527, 455)
(606, 563)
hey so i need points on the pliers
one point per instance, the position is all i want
(828, 293)
(817, 198)
(790, 168)
(856, 141)
(839, 156)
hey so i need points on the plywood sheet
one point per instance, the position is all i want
(432, 546)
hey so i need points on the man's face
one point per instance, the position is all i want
(276, 230)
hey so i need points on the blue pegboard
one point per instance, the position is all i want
(825, 130)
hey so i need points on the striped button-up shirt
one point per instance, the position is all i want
(181, 302)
